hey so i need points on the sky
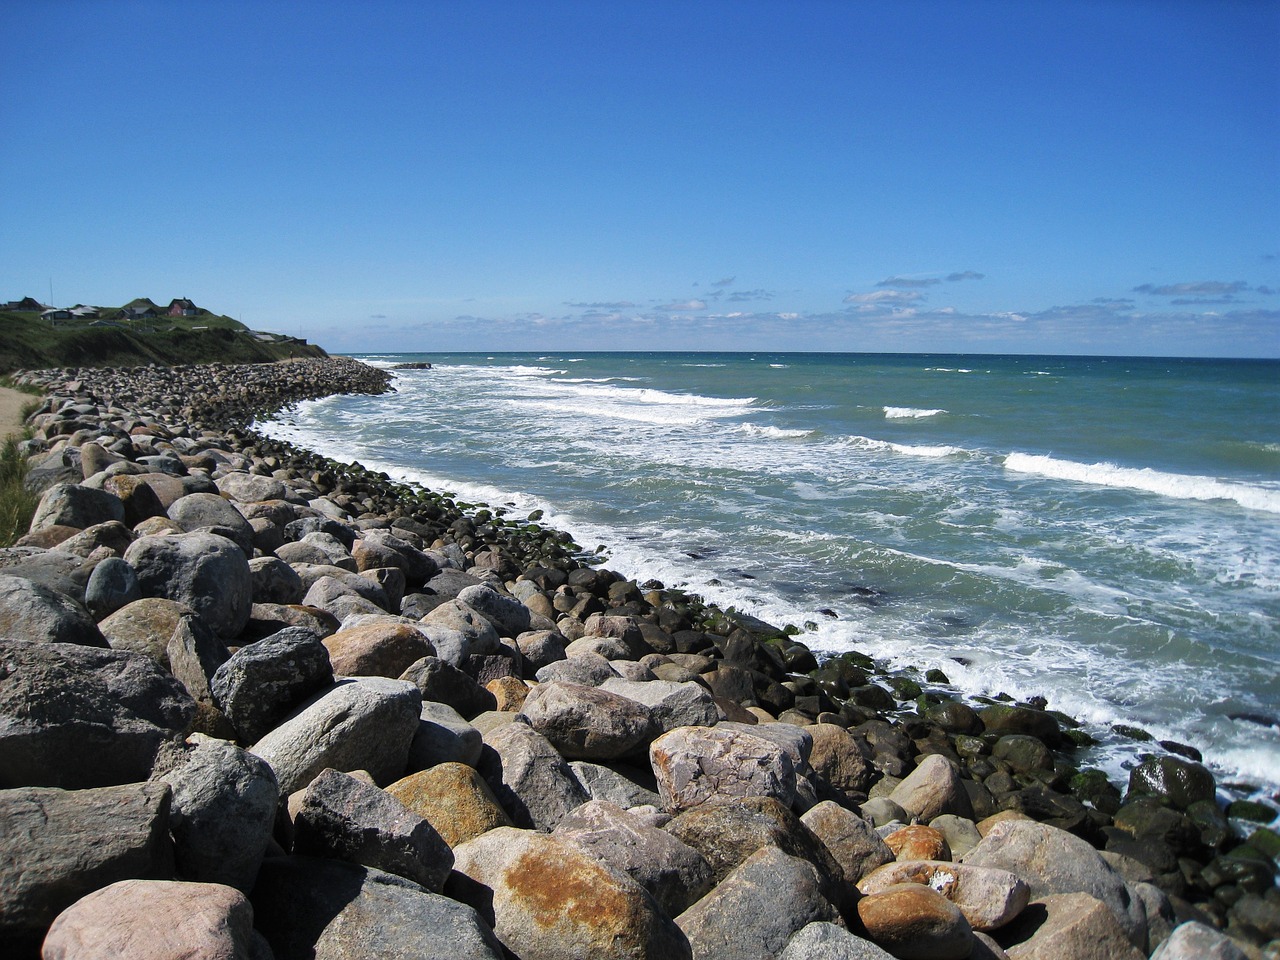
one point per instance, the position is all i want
(968, 176)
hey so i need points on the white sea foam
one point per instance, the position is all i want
(909, 413)
(1177, 485)
(907, 449)
(947, 370)
(773, 433)
(780, 366)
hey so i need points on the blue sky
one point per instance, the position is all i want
(1067, 177)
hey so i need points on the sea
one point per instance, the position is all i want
(1102, 532)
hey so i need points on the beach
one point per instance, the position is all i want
(366, 715)
(12, 403)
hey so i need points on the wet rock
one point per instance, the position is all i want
(1008, 719)
(757, 908)
(675, 874)
(549, 898)
(75, 716)
(34, 612)
(1174, 780)
(915, 922)
(695, 765)
(359, 724)
(344, 819)
(59, 845)
(312, 909)
(587, 723)
(206, 572)
(454, 798)
(263, 682)
(154, 920)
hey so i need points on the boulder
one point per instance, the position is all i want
(932, 789)
(1073, 925)
(619, 783)
(442, 682)
(194, 655)
(343, 593)
(310, 909)
(113, 537)
(32, 611)
(145, 626)
(1173, 780)
(156, 920)
(914, 922)
(675, 874)
(443, 737)
(365, 723)
(918, 842)
(1052, 861)
(345, 819)
(75, 716)
(112, 585)
(377, 647)
(822, 940)
(274, 581)
(1003, 718)
(852, 841)
(139, 496)
(73, 505)
(841, 760)
(587, 723)
(263, 682)
(223, 812)
(250, 488)
(988, 898)
(454, 798)
(198, 511)
(670, 705)
(58, 845)
(1198, 941)
(457, 632)
(960, 832)
(757, 909)
(695, 765)
(551, 899)
(531, 780)
(541, 647)
(587, 669)
(207, 572)
(508, 615)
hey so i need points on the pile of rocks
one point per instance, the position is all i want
(255, 703)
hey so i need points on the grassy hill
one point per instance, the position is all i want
(28, 342)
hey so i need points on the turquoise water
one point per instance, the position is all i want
(1103, 532)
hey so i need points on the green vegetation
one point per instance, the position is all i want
(17, 503)
(29, 342)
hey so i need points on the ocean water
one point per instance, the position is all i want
(1102, 532)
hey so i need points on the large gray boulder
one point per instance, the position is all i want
(531, 780)
(757, 909)
(587, 723)
(618, 783)
(224, 809)
(58, 845)
(457, 631)
(74, 716)
(670, 705)
(251, 488)
(196, 511)
(157, 919)
(443, 737)
(263, 682)
(551, 899)
(508, 615)
(1073, 925)
(311, 909)
(1052, 861)
(822, 940)
(207, 572)
(675, 874)
(32, 611)
(274, 581)
(72, 505)
(1198, 941)
(442, 682)
(695, 765)
(587, 669)
(346, 819)
(853, 841)
(932, 789)
(365, 723)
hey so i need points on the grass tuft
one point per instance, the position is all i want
(17, 503)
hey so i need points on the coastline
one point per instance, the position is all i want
(521, 560)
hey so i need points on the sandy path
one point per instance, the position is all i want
(11, 404)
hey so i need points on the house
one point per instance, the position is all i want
(27, 304)
(182, 308)
(139, 312)
(55, 314)
(82, 312)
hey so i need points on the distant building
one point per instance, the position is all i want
(55, 314)
(182, 308)
(27, 304)
(82, 312)
(132, 312)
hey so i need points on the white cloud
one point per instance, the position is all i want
(885, 296)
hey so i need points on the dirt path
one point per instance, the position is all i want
(11, 404)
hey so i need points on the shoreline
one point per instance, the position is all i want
(522, 559)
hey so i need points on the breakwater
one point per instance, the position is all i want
(345, 716)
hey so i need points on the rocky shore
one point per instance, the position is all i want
(255, 703)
